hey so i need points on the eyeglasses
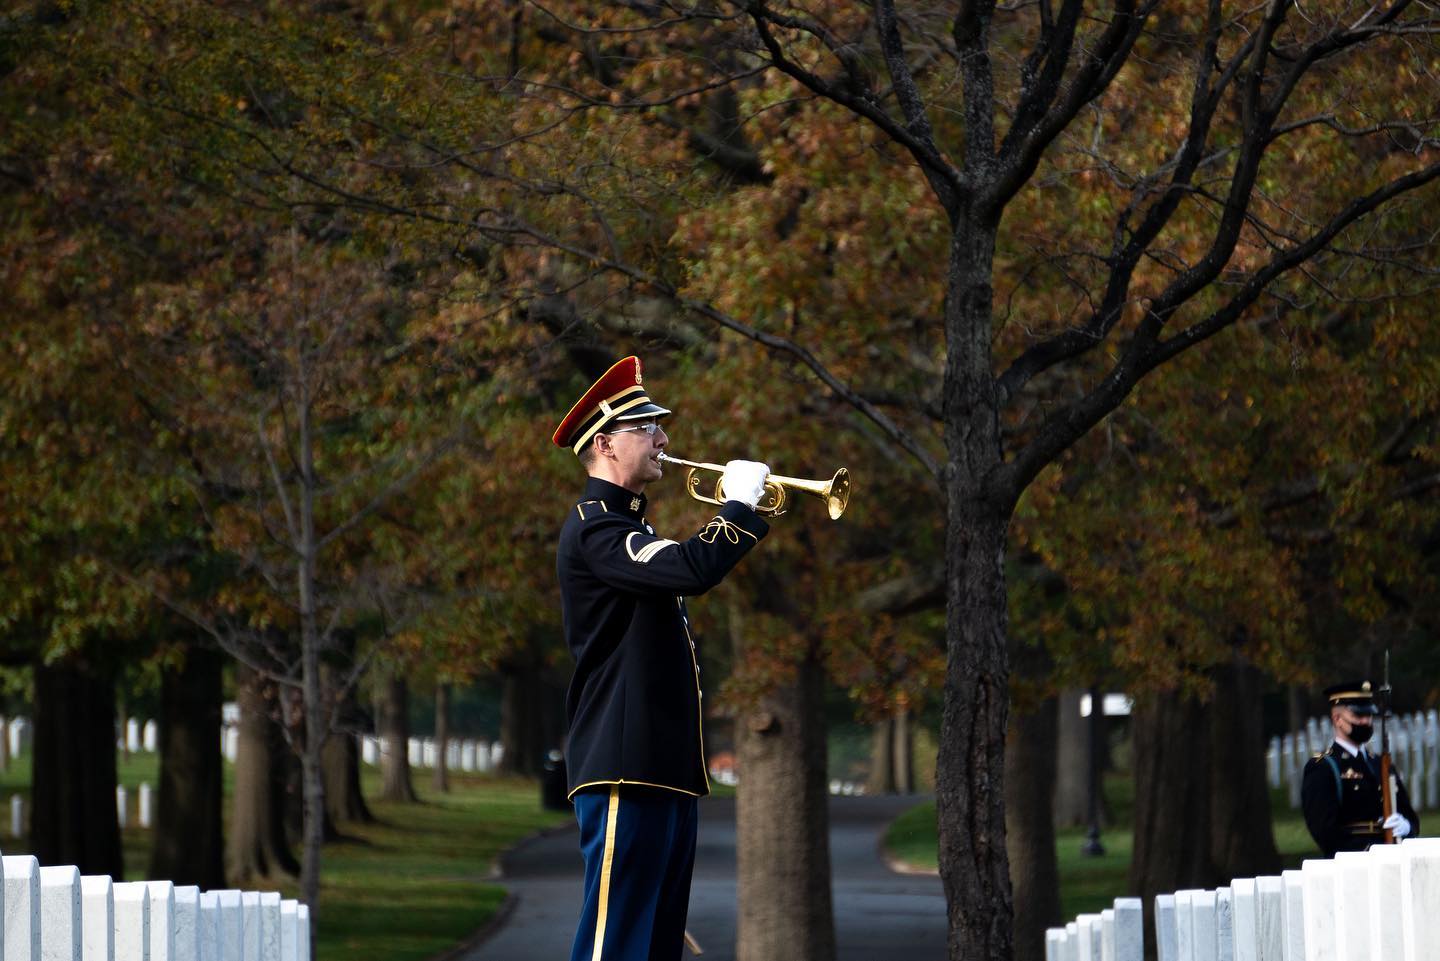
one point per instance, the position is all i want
(649, 428)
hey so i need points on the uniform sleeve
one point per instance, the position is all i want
(625, 556)
(1320, 801)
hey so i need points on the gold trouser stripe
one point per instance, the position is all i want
(611, 817)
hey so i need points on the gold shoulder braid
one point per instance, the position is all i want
(718, 524)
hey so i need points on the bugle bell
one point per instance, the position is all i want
(835, 492)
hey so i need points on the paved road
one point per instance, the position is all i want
(878, 913)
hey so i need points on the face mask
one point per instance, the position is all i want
(1360, 733)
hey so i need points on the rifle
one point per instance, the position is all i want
(1387, 774)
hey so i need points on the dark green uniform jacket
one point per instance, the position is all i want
(634, 703)
(1340, 795)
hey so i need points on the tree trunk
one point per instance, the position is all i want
(783, 825)
(1172, 801)
(189, 847)
(344, 801)
(969, 776)
(257, 849)
(903, 753)
(442, 737)
(73, 780)
(1241, 844)
(1030, 758)
(531, 714)
(1072, 797)
(395, 741)
(882, 758)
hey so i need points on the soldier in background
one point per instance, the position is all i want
(1340, 792)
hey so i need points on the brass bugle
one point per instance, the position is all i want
(835, 492)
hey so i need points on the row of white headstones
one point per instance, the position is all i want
(467, 755)
(56, 914)
(1377, 905)
(1414, 749)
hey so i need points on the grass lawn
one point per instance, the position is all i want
(403, 889)
(1089, 883)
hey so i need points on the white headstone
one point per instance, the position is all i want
(97, 910)
(145, 803)
(303, 913)
(1054, 943)
(1072, 941)
(1269, 919)
(1185, 925)
(61, 935)
(1088, 928)
(1224, 924)
(162, 920)
(1203, 926)
(415, 753)
(1383, 901)
(1242, 918)
(1419, 898)
(22, 907)
(289, 930)
(269, 926)
(467, 757)
(369, 750)
(1129, 929)
(232, 744)
(1292, 916)
(482, 757)
(1165, 933)
(132, 921)
(17, 815)
(122, 813)
(1318, 877)
(250, 933)
(230, 926)
(1272, 762)
(132, 735)
(209, 925)
(497, 755)
(187, 923)
(150, 739)
(1354, 921)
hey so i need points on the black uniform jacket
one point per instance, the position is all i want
(634, 702)
(1341, 801)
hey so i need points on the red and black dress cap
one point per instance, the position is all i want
(617, 396)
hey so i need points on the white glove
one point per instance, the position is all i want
(744, 481)
(1398, 824)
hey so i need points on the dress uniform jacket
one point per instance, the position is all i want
(1340, 795)
(634, 703)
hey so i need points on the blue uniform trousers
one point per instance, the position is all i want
(639, 848)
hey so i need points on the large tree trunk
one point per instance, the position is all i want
(969, 775)
(441, 782)
(532, 713)
(1242, 845)
(395, 740)
(1172, 753)
(189, 847)
(1030, 758)
(343, 798)
(783, 825)
(1072, 780)
(257, 849)
(73, 779)
(341, 757)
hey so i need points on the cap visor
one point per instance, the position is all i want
(643, 411)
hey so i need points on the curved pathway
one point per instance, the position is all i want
(878, 913)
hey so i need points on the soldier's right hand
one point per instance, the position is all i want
(744, 481)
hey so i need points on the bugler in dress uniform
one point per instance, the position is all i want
(1340, 791)
(634, 753)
